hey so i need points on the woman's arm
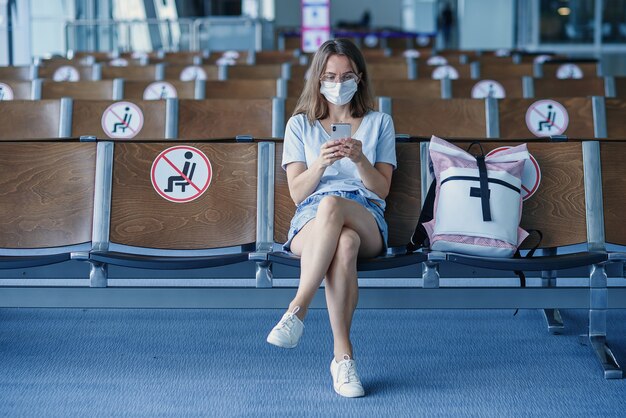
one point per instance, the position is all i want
(303, 181)
(376, 178)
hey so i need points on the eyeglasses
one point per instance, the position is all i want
(332, 78)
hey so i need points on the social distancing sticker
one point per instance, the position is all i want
(6, 92)
(531, 176)
(569, 70)
(159, 90)
(181, 174)
(436, 60)
(488, 88)
(122, 120)
(546, 118)
(66, 73)
(445, 71)
(540, 59)
(119, 62)
(193, 72)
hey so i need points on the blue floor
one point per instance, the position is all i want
(88, 363)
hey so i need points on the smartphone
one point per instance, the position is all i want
(340, 130)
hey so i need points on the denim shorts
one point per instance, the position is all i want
(307, 210)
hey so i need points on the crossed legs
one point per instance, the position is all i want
(329, 246)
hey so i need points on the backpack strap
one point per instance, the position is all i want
(531, 252)
(420, 237)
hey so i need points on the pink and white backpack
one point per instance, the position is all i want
(477, 205)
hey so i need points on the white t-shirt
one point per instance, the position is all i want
(376, 132)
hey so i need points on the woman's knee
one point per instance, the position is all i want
(329, 208)
(348, 245)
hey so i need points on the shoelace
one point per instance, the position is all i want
(288, 320)
(347, 372)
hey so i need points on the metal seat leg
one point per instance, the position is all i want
(596, 336)
(548, 279)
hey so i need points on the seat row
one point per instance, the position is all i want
(188, 205)
(594, 117)
(436, 67)
(117, 89)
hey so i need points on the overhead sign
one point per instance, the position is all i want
(181, 174)
(531, 176)
(315, 24)
(159, 90)
(6, 92)
(488, 88)
(122, 120)
(546, 118)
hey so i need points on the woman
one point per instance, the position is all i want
(339, 187)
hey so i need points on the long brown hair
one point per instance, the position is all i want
(313, 104)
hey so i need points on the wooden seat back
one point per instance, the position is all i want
(47, 194)
(590, 86)
(420, 88)
(136, 90)
(460, 118)
(551, 68)
(462, 88)
(20, 90)
(22, 73)
(426, 71)
(191, 72)
(138, 72)
(224, 118)
(498, 70)
(388, 71)
(27, 119)
(87, 118)
(223, 215)
(79, 90)
(615, 118)
(613, 155)
(241, 89)
(255, 72)
(512, 118)
(85, 72)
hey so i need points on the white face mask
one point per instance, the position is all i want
(339, 93)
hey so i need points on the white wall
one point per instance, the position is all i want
(486, 24)
(47, 25)
(21, 34)
(419, 15)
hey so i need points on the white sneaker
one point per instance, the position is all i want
(346, 381)
(288, 331)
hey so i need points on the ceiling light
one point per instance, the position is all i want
(563, 11)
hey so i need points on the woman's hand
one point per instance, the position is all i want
(330, 152)
(352, 148)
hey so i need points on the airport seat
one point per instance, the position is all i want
(47, 202)
(78, 90)
(31, 119)
(167, 214)
(139, 119)
(518, 116)
(16, 90)
(226, 118)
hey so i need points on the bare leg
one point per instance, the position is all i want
(317, 243)
(342, 291)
